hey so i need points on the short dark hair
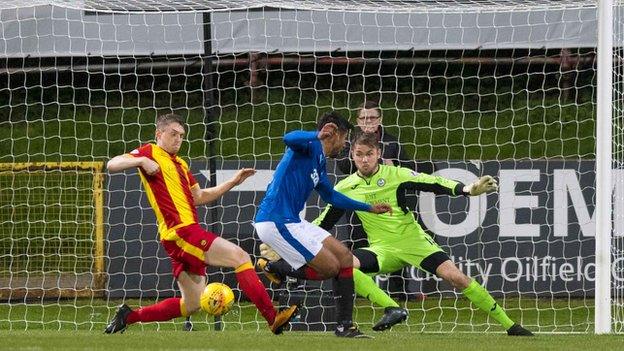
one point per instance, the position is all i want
(369, 105)
(166, 119)
(368, 139)
(335, 118)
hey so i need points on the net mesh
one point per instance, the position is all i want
(505, 88)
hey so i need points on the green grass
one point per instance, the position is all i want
(435, 314)
(435, 126)
(300, 341)
(77, 325)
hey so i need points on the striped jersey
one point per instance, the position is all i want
(169, 190)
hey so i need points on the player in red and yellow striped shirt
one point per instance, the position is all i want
(173, 193)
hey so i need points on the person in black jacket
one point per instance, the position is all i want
(369, 120)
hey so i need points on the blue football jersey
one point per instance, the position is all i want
(301, 170)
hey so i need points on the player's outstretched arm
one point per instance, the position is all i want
(330, 195)
(207, 195)
(122, 162)
(411, 180)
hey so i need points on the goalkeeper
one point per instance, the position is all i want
(398, 241)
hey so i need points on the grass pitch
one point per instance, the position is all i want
(434, 324)
(300, 341)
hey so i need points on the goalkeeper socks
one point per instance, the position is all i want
(365, 286)
(485, 302)
(344, 295)
(251, 286)
(162, 311)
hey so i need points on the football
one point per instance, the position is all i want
(217, 299)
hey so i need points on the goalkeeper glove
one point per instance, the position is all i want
(483, 185)
(267, 252)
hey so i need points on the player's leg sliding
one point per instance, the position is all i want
(174, 307)
(481, 298)
(118, 323)
(252, 288)
(365, 286)
(159, 312)
(393, 314)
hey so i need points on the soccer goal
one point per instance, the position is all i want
(526, 91)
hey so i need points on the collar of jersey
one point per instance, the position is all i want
(369, 179)
(162, 151)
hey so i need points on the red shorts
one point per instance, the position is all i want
(187, 251)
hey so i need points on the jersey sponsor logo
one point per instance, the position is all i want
(381, 182)
(315, 177)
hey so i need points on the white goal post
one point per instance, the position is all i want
(527, 91)
(604, 192)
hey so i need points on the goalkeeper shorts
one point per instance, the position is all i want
(420, 251)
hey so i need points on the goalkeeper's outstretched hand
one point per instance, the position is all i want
(267, 252)
(483, 185)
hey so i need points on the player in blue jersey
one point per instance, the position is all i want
(300, 243)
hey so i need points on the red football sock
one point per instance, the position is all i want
(251, 286)
(345, 273)
(311, 274)
(162, 311)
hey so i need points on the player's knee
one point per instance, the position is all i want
(238, 257)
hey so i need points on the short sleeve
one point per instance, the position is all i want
(143, 151)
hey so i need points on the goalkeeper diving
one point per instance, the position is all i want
(396, 239)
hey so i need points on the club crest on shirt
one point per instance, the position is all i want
(381, 182)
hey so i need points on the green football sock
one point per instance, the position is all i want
(365, 286)
(482, 299)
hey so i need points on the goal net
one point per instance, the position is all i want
(468, 88)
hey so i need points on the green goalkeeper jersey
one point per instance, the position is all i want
(388, 185)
